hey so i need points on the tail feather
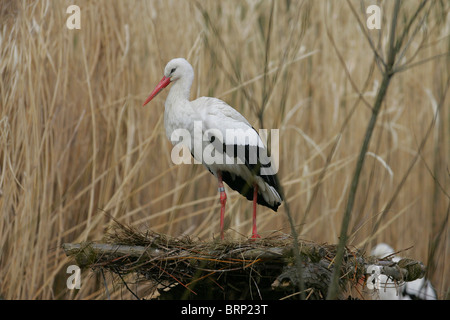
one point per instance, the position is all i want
(269, 198)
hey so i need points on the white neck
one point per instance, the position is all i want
(177, 105)
(181, 89)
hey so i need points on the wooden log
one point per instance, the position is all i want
(87, 253)
(230, 266)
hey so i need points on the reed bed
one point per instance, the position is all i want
(77, 150)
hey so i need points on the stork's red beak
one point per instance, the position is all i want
(161, 85)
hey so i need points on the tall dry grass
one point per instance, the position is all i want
(76, 143)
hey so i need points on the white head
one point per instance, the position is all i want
(176, 70)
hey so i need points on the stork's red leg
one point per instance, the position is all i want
(223, 200)
(255, 234)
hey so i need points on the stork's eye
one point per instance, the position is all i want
(173, 70)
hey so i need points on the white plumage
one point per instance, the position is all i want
(420, 289)
(227, 145)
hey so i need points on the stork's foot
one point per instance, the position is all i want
(255, 236)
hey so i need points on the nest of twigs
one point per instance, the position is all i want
(261, 269)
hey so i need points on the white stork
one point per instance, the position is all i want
(419, 289)
(244, 164)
